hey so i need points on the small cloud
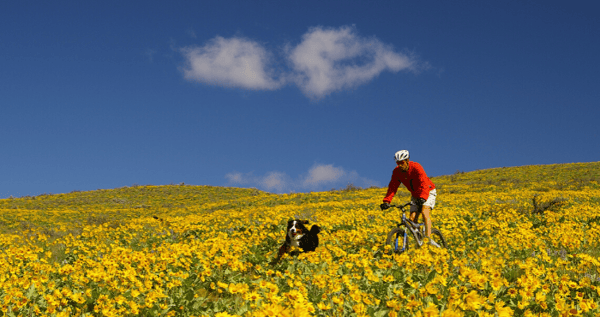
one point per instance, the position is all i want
(191, 33)
(236, 178)
(275, 181)
(319, 177)
(323, 174)
(234, 62)
(329, 60)
(149, 53)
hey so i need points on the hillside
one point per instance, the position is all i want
(521, 240)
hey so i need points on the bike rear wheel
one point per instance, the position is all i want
(438, 237)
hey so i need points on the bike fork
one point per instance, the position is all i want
(404, 240)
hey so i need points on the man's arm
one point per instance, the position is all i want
(392, 188)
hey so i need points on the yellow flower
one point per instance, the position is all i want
(431, 311)
(431, 289)
(238, 288)
(224, 314)
(393, 304)
(496, 284)
(388, 278)
(78, 298)
(359, 308)
(502, 310)
(271, 310)
(323, 306)
(473, 300)
(252, 296)
(294, 296)
(413, 304)
(451, 312)
(540, 297)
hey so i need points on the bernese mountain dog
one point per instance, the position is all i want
(297, 235)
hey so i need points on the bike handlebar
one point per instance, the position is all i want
(401, 207)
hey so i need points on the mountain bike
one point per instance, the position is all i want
(398, 238)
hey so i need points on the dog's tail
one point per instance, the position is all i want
(315, 229)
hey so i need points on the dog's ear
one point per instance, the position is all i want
(305, 222)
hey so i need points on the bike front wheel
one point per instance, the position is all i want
(398, 240)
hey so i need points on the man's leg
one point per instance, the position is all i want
(428, 225)
(414, 210)
(411, 216)
(426, 215)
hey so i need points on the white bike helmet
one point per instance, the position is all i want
(401, 155)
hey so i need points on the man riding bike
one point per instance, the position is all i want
(422, 189)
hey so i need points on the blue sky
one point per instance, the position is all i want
(290, 96)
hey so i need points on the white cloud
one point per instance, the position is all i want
(236, 178)
(149, 53)
(234, 62)
(191, 33)
(323, 174)
(274, 181)
(325, 61)
(328, 60)
(319, 177)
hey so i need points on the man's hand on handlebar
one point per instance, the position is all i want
(384, 206)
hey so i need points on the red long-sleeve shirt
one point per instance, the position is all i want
(415, 180)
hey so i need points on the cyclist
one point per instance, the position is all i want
(422, 189)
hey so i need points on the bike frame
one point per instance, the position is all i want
(416, 228)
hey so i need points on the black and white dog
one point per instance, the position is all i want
(299, 236)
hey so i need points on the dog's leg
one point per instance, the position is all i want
(282, 250)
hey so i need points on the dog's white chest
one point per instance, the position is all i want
(295, 241)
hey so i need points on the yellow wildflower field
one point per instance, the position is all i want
(522, 241)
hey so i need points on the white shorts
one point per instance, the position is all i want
(430, 201)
